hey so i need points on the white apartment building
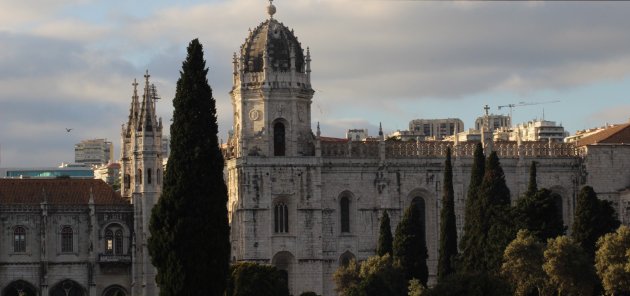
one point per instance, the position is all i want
(94, 152)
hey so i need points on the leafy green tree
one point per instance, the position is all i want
(593, 219)
(416, 288)
(612, 261)
(539, 214)
(448, 228)
(249, 279)
(410, 247)
(189, 243)
(385, 237)
(379, 275)
(568, 267)
(471, 284)
(346, 278)
(469, 259)
(497, 221)
(522, 265)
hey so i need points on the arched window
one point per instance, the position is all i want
(344, 204)
(158, 176)
(557, 199)
(109, 242)
(139, 177)
(118, 242)
(345, 258)
(127, 181)
(279, 141)
(149, 176)
(66, 240)
(19, 239)
(420, 206)
(281, 218)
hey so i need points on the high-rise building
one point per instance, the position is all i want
(435, 129)
(94, 152)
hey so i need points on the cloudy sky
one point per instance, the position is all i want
(70, 63)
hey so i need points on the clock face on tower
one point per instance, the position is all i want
(254, 115)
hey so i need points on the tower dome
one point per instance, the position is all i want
(273, 41)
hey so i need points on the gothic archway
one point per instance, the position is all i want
(345, 258)
(279, 139)
(285, 262)
(115, 291)
(19, 288)
(420, 206)
(67, 288)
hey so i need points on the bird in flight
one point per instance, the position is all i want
(68, 130)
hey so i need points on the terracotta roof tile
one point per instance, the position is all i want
(58, 191)
(331, 139)
(614, 134)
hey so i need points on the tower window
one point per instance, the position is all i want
(66, 240)
(118, 242)
(127, 181)
(279, 141)
(345, 214)
(19, 239)
(149, 176)
(281, 218)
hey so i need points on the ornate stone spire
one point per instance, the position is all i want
(134, 108)
(147, 114)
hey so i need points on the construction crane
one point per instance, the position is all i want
(520, 104)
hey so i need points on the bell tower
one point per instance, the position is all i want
(141, 168)
(272, 94)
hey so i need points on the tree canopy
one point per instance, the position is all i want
(385, 238)
(410, 247)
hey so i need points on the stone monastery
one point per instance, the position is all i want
(297, 200)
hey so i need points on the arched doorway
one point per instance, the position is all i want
(284, 261)
(67, 288)
(279, 139)
(19, 288)
(345, 258)
(115, 291)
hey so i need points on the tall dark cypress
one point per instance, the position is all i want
(469, 259)
(494, 197)
(189, 243)
(532, 186)
(593, 218)
(385, 237)
(410, 246)
(448, 228)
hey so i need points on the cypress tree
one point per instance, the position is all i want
(532, 186)
(410, 248)
(593, 218)
(470, 244)
(189, 243)
(448, 228)
(494, 196)
(385, 236)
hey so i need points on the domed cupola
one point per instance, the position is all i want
(274, 42)
(272, 54)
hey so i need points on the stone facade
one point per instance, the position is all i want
(62, 235)
(306, 203)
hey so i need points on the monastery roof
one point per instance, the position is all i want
(613, 135)
(331, 139)
(58, 191)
